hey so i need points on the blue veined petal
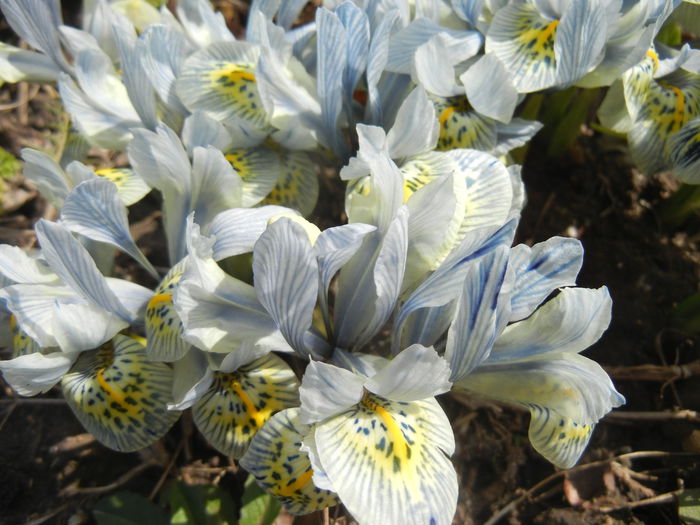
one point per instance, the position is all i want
(566, 394)
(356, 24)
(416, 127)
(540, 270)
(332, 50)
(139, 12)
(459, 45)
(288, 12)
(415, 373)
(201, 130)
(17, 65)
(238, 404)
(444, 285)
(524, 41)
(334, 248)
(433, 69)
(135, 80)
(327, 390)
(474, 328)
(516, 133)
(468, 10)
(281, 468)
(95, 210)
(570, 322)
(131, 188)
(19, 267)
(376, 63)
(119, 396)
(99, 127)
(489, 88)
(297, 184)
(580, 39)
(221, 80)
(215, 184)
(102, 86)
(201, 23)
(163, 325)
(47, 175)
(387, 461)
(73, 264)
(684, 152)
(162, 53)
(37, 22)
(667, 106)
(370, 283)
(462, 127)
(237, 230)
(286, 279)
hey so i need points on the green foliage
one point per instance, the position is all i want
(680, 206)
(670, 34)
(200, 505)
(9, 165)
(189, 505)
(128, 508)
(258, 508)
(686, 315)
(563, 114)
(689, 506)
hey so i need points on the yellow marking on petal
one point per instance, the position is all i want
(116, 175)
(13, 322)
(115, 396)
(298, 484)
(679, 114)
(401, 448)
(446, 114)
(260, 416)
(160, 299)
(654, 57)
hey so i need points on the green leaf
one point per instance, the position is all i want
(200, 505)
(689, 506)
(128, 508)
(259, 507)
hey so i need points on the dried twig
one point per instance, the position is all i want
(510, 507)
(125, 478)
(654, 372)
(167, 469)
(664, 415)
(668, 497)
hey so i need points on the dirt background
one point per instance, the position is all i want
(640, 458)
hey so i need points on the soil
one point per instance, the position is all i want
(638, 460)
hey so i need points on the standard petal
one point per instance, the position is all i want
(474, 328)
(415, 373)
(34, 373)
(73, 264)
(540, 270)
(286, 279)
(19, 267)
(238, 404)
(416, 127)
(387, 461)
(95, 210)
(192, 378)
(281, 468)
(47, 175)
(327, 390)
(119, 396)
(489, 87)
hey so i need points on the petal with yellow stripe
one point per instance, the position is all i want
(462, 127)
(220, 80)
(684, 149)
(259, 169)
(387, 460)
(666, 107)
(163, 325)
(523, 40)
(239, 403)
(22, 344)
(282, 469)
(131, 188)
(297, 184)
(119, 396)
